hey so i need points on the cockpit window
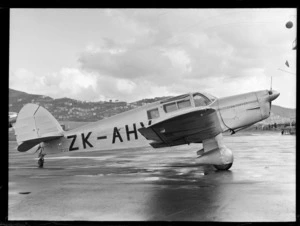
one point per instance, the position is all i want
(184, 103)
(153, 113)
(170, 107)
(209, 96)
(173, 106)
(201, 100)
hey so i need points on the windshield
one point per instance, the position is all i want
(209, 96)
(201, 100)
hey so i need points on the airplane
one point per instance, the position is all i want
(189, 118)
(12, 116)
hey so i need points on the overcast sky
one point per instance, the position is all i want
(131, 54)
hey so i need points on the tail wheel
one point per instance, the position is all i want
(223, 167)
(41, 162)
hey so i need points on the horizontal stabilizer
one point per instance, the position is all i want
(26, 145)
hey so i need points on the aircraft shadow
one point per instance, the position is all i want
(189, 192)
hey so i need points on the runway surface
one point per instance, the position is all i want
(146, 184)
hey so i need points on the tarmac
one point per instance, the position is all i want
(167, 184)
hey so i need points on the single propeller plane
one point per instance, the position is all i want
(189, 118)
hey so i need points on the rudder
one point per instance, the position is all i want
(35, 125)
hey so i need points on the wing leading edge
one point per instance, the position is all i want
(191, 127)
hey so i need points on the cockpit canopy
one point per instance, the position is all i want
(180, 102)
(201, 100)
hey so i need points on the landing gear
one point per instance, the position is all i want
(41, 157)
(215, 153)
(41, 162)
(223, 167)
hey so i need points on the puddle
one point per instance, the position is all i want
(22, 167)
(79, 157)
(89, 175)
(151, 178)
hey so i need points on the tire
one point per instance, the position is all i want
(223, 167)
(41, 163)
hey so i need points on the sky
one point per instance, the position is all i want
(132, 54)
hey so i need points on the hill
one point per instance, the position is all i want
(283, 112)
(66, 109)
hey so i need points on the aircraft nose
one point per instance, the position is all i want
(273, 95)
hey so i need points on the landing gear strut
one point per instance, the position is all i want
(216, 153)
(41, 161)
(41, 157)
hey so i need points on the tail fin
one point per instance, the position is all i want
(35, 125)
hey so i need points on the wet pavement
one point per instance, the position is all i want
(167, 184)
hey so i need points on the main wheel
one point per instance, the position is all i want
(41, 162)
(223, 167)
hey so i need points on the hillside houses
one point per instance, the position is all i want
(66, 109)
(69, 109)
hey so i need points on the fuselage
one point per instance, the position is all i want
(121, 131)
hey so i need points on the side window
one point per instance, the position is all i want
(201, 100)
(184, 103)
(170, 107)
(153, 113)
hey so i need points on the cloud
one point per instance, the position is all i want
(130, 54)
(68, 82)
(178, 49)
(182, 51)
(126, 86)
(24, 79)
(126, 63)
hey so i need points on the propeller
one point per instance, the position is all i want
(270, 93)
(273, 94)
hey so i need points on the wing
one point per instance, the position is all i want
(191, 127)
